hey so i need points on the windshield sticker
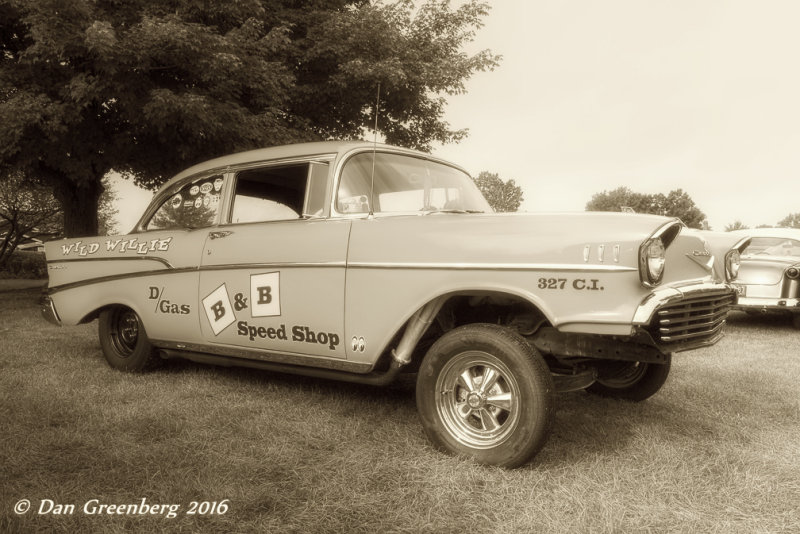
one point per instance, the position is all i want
(176, 200)
(79, 248)
(194, 190)
(218, 309)
(217, 184)
(206, 187)
(265, 295)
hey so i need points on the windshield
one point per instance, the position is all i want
(773, 246)
(405, 184)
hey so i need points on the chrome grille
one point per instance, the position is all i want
(692, 321)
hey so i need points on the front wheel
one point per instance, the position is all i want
(632, 381)
(485, 393)
(124, 341)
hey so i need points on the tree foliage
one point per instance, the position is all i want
(26, 211)
(29, 210)
(501, 196)
(736, 225)
(149, 87)
(677, 203)
(790, 221)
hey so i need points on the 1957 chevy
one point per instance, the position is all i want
(357, 262)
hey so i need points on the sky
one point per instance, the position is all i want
(649, 94)
(652, 95)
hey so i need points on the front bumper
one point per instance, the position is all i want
(767, 304)
(686, 318)
(48, 309)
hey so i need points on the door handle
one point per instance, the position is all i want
(219, 234)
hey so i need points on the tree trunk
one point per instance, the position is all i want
(80, 203)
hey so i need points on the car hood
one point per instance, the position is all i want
(512, 236)
(589, 238)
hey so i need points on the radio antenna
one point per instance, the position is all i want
(374, 149)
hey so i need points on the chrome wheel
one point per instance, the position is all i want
(478, 399)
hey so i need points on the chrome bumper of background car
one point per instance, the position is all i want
(685, 318)
(749, 303)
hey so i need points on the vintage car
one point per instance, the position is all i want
(358, 262)
(769, 277)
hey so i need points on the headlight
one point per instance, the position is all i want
(793, 273)
(732, 261)
(652, 256)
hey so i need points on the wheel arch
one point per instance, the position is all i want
(466, 306)
(96, 311)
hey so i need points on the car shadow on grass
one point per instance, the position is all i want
(585, 426)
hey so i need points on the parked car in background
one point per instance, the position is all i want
(769, 276)
(358, 262)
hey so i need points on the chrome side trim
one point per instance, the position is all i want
(340, 265)
(491, 266)
(172, 270)
(121, 258)
(286, 358)
(274, 265)
(113, 277)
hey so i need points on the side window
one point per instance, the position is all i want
(279, 192)
(195, 205)
(317, 190)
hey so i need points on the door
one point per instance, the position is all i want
(273, 278)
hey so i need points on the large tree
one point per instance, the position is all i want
(147, 87)
(677, 203)
(502, 195)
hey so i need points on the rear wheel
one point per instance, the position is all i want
(633, 381)
(124, 341)
(485, 393)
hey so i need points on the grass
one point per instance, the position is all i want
(715, 451)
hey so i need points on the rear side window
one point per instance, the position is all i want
(195, 205)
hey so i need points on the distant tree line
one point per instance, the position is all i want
(676, 203)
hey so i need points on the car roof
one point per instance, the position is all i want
(789, 233)
(319, 148)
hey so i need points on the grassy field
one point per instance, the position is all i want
(717, 450)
